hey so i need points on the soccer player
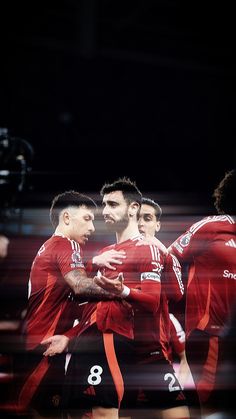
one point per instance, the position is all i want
(57, 276)
(119, 347)
(173, 339)
(209, 249)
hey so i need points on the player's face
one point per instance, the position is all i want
(115, 211)
(80, 224)
(147, 223)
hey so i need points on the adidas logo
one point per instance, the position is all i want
(90, 391)
(180, 396)
(230, 243)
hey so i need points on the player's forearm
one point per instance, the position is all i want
(148, 296)
(148, 301)
(86, 287)
(74, 331)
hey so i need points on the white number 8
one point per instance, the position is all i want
(95, 377)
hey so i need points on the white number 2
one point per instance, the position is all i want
(172, 379)
(95, 377)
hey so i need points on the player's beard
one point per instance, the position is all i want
(119, 225)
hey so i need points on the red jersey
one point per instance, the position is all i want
(49, 307)
(173, 338)
(177, 336)
(172, 290)
(138, 315)
(209, 247)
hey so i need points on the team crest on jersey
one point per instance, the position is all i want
(56, 400)
(77, 261)
(184, 241)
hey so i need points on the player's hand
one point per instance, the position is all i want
(4, 242)
(115, 285)
(55, 345)
(151, 240)
(107, 258)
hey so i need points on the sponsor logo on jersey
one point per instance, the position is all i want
(77, 265)
(155, 353)
(228, 274)
(152, 276)
(184, 241)
(231, 243)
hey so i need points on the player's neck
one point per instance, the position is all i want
(60, 232)
(128, 233)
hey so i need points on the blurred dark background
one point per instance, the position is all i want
(102, 89)
(95, 89)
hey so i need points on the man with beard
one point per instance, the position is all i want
(118, 348)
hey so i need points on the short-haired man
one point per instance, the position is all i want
(174, 342)
(119, 342)
(57, 276)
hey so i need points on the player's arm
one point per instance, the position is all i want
(193, 242)
(57, 344)
(147, 296)
(149, 260)
(151, 265)
(67, 256)
(84, 286)
(173, 283)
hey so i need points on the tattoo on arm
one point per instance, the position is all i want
(85, 286)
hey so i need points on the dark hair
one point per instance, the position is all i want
(155, 205)
(225, 194)
(129, 189)
(68, 199)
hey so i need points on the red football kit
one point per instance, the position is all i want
(49, 305)
(173, 338)
(115, 336)
(177, 334)
(209, 248)
(50, 311)
(139, 315)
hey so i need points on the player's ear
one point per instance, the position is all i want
(133, 209)
(66, 217)
(158, 226)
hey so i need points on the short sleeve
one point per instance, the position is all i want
(68, 256)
